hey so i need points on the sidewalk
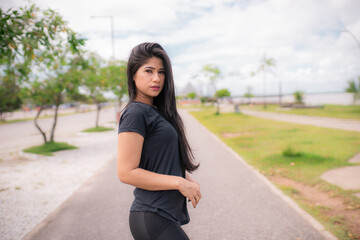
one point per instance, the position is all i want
(33, 186)
(327, 122)
(238, 203)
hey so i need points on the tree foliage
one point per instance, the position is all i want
(222, 93)
(299, 97)
(115, 73)
(354, 88)
(40, 54)
(212, 72)
(95, 82)
(266, 65)
(191, 95)
(249, 93)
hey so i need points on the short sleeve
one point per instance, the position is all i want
(133, 120)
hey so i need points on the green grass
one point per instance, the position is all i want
(338, 111)
(48, 148)
(267, 144)
(299, 152)
(97, 129)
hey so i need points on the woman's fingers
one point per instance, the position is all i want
(196, 200)
(194, 203)
(191, 190)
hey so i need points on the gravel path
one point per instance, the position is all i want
(238, 203)
(32, 186)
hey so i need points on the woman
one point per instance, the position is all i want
(153, 153)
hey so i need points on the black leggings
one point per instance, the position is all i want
(151, 226)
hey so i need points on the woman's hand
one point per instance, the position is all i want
(191, 190)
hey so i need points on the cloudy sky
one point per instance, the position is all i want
(306, 38)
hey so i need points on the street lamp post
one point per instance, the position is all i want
(112, 32)
(353, 35)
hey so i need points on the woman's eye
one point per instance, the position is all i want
(162, 72)
(148, 71)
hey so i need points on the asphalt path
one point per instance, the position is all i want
(237, 202)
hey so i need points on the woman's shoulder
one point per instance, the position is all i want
(137, 109)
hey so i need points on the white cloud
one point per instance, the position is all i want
(304, 37)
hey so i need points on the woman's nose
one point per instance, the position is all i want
(156, 77)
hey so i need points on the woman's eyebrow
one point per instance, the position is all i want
(154, 68)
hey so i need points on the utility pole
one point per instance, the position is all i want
(112, 32)
(353, 35)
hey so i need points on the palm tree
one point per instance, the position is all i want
(213, 73)
(265, 65)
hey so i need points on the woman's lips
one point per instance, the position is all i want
(155, 87)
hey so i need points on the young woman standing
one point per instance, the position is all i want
(153, 152)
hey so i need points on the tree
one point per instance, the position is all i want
(16, 54)
(265, 65)
(191, 95)
(223, 93)
(10, 98)
(96, 83)
(248, 93)
(42, 56)
(354, 88)
(40, 93)
(213, 73)
(299, 97)
(115, 73)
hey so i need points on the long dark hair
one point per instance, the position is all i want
(165, 101)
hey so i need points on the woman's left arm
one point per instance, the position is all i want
(189, 178)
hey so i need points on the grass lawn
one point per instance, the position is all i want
(338, 111)
(296, 153)
(48, 148)
(97, 129)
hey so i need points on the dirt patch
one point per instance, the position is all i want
(333, 207)
(355, 158)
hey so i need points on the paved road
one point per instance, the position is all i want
(20, 135)
(328, 122)
(237, 203)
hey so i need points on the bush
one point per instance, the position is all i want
(290, 152)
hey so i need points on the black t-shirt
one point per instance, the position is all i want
(160, 154)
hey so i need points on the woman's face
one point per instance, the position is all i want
(149, 80)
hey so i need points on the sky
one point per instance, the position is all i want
(307, 39)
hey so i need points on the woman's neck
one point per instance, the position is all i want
(145, 100)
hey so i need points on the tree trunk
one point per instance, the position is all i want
(98, 113)
(120, 103)
(280, 102)
(218, 106)
(264, 97)
(54, 124)
(37, 125)
(118, 109)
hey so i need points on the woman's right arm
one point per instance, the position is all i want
(128, 159)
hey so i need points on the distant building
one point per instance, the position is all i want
(189, 88)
